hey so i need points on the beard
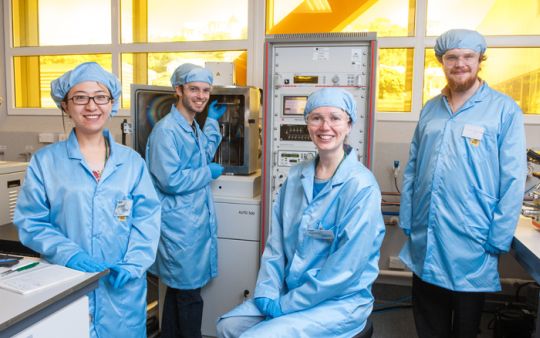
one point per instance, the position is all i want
(463, 85)
(190, 108)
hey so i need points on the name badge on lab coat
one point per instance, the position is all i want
(123, 209)
(475, 133)
(321, 234)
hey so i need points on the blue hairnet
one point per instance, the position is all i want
(88, 71)
(460, 38)
(332, 97)
(188, 72)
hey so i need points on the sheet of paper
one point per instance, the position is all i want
(40, 277)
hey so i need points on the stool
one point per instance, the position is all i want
(367, 331)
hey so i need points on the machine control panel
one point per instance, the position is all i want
(290, 158)
(294, 132)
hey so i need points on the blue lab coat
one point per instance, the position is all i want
(63, 210)
(463, 187)
(178, 161)
(322, 254)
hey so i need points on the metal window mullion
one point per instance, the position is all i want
(114, 48)
(419, 56)
(256, 36)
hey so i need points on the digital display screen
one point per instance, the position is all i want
(294, 105)
(311, 79)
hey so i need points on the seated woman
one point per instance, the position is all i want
(322, 252)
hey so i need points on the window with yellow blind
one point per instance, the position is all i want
(141, 44)
(173, 20)
(33, 76)
(158, 67)
(512, 42)
(519, 77)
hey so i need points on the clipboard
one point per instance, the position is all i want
(41, 277)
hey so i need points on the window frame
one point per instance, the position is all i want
(253, 45)
(420, 42)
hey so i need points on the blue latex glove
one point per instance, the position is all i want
(215, 170)
(118, 276)
(262, 304)
(274, 309)
(83, 262)
(268, 307)
(407, 232)
(216, 111)
(491, 249)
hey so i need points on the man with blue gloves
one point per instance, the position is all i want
(462, 191)
(179, 156)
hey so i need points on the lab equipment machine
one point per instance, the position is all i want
(296, 66)
(11, 179)
(239, 149)
(531, 203)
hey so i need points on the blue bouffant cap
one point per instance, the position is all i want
(460, 38)
(88, 71)
(332, 97)
(189, 72)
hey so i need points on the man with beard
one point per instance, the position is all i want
(462, 192)
(179, 156)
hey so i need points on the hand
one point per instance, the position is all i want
(268, 307)
(491, 249)
(274, 309)
(215, 170)
(216, 111)
(83, 262)
(118, 276)
(262, 304)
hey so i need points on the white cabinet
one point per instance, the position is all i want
(70, 321)
(238, 258)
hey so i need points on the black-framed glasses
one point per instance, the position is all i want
(85, 99)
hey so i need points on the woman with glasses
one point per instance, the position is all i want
(88, 203)
(321, 255)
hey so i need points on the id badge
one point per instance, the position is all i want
(474, 133)
(327, 235)
(123, 209)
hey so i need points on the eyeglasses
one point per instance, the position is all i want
(85, 99)
(467, 58)
(316, 120)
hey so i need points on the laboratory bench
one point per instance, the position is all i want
(60, 310)
(57, 311)
(526, 250)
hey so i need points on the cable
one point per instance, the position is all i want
(395, 183)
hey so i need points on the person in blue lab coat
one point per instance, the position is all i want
(322, 253)
(462, 191)
(88, 203)
(179, 156)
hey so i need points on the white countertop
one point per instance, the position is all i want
(526, 247)
(17, 307)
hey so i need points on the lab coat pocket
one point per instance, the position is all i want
(318, 240)
(483, 204)
(131, 301)
(479, 213)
